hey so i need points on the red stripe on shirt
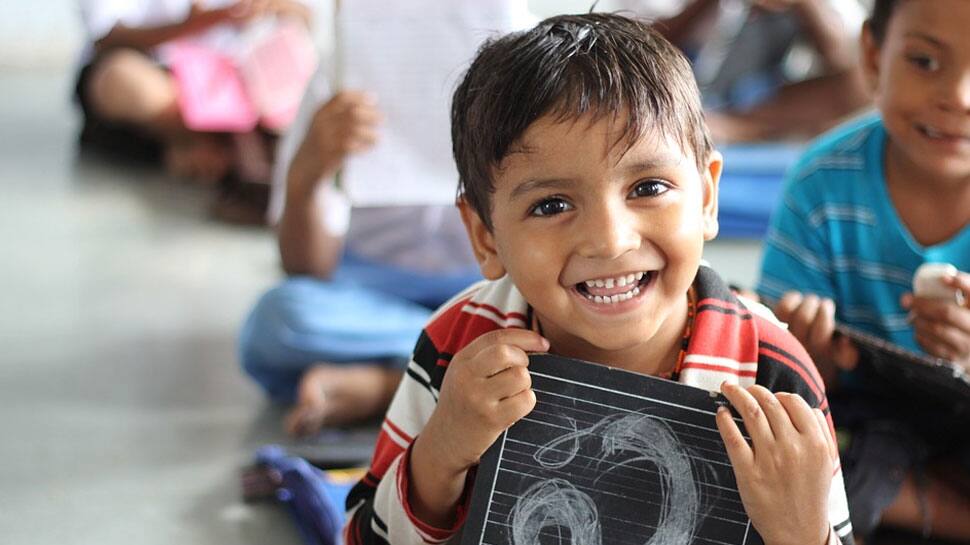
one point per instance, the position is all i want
(386, 451)
(403, 484)
(497, 312)
(721, 335)
(806, 377)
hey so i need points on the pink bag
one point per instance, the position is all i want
(211, 94)
(217, 93)
(277, 70)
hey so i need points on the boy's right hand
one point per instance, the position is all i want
(347, 124)
(487, 389)
(811, 319)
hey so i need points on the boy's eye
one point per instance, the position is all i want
(924, 62)
(648, 188)
(550, 207)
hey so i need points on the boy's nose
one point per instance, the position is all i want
(608, 233)
(957, 93)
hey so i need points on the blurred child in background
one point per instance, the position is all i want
(769, 69)
(128, 96)
(866, 206)
(335, 338)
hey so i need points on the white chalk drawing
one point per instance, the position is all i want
(555, 504)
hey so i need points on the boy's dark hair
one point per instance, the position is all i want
(882, 12)
(568, 66)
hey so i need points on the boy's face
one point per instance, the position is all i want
(921, 78)
(602, 242)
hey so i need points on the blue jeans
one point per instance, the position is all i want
(365, 313)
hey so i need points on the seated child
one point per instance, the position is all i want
(333, 339)
(866, 206)
(127, 95)
(750, 88)
(588, 186)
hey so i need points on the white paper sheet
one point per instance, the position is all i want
(411, 55)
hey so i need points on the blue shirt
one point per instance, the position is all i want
(837, 234)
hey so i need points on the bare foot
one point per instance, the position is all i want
(338, 395)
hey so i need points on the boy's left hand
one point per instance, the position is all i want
(784, 475)
(942, 326)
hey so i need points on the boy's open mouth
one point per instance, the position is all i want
(938, 134)
(610, 291)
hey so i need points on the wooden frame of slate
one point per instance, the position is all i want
(608, 457)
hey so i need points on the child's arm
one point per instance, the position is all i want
(486, 390)
(345, 125)
(439, 416)
(785, 474)
(198, 19)
(825, 29)
(811, 319)
(941, 326)
(680, 27)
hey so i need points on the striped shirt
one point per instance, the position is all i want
(837, 234)
(734, 341)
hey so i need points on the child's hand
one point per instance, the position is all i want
(345, 125)
(942, 326)
(785, 474)
(811, 320)
(487, 389)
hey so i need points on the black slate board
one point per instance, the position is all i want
(608, 457)
(941, 381)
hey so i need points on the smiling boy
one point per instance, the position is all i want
(588, 186)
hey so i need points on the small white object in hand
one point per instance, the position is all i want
(928, 282)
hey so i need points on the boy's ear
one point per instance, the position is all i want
(869, 52)
(483, 242)
(710, 178)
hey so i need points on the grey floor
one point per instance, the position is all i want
(123, 416)
(122, 412)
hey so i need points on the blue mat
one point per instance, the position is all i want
(751, 186)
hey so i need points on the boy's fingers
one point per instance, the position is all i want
(945, 343)
(515, 407)
(525, 339)
(777, 416)
(823, 325)
(799, 412)
(804, 317)
(363, 138)
(845, 353)
(960, 281)
(755, 421)
(509, 382)
(738, 450)
(943, 312)
(823, 425)
(787, 305)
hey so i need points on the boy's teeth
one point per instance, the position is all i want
(619, 281)
(614, 299)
